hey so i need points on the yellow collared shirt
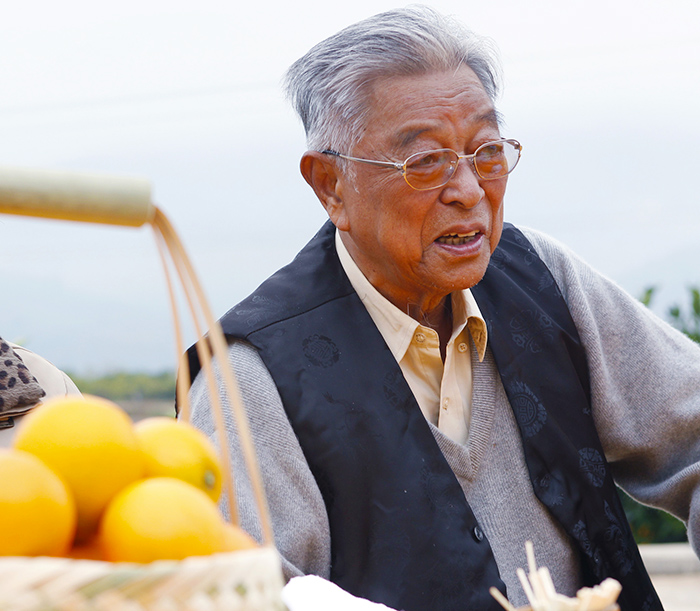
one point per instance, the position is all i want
(443, 390)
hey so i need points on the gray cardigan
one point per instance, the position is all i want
(645, 379)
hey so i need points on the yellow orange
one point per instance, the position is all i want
(91, 444)
(161, 518)
(177, 449)
(37, 512)
(90, 550)
(236, 539)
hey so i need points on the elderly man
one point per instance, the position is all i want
(430, 388)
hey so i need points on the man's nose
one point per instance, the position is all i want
(464, 187)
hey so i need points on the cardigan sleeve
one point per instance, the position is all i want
(645, 385)
(298, 512)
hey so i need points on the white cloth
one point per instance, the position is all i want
(54, 382)
(312, 593)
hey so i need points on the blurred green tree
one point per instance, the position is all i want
(651, 525)
(688, 321)
(122, 385)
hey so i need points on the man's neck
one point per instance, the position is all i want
(439, 319)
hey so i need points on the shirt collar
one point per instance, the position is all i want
(397, 327)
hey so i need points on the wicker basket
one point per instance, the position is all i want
(249, 580)
(239, 581)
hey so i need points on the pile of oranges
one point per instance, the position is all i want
(83, 481)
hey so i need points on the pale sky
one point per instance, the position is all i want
(602, 94)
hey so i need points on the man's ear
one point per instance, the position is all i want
(321, 172)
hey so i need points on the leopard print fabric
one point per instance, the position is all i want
(19, 390)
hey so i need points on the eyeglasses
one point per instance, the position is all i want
(433, 169)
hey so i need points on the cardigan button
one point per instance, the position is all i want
(478, 534)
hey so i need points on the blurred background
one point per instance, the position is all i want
(603, 96)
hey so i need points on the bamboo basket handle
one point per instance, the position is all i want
(124, 201)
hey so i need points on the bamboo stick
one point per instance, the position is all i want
(73, 196)
(218, 343)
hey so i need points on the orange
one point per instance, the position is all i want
(90, 550)
(236, 539)
(161, 518)
(177, 449)
(91, 444)
(37, 512)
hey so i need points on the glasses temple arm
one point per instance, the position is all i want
(391, 164)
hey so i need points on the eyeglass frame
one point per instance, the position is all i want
(401, 167)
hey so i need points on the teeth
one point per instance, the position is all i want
(461, 235)
(456, 238)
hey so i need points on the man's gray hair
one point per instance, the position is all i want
(330, 86)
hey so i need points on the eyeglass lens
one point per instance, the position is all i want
(435, 168)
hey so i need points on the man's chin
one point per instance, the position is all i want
(470, 275)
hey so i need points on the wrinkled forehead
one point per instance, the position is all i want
(403, 108)
(408, 134)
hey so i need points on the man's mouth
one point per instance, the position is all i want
(457, 239)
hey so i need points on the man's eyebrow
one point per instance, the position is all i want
(405, 138)
(490, 117)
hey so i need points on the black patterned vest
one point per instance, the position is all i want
(401, 530)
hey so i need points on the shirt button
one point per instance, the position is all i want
(445, 403)
(478, 534)
(462, 347)
(420, 338)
